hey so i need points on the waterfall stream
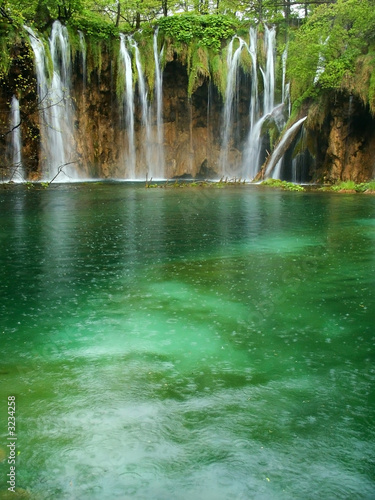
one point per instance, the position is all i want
(158, 165)
(55, 105)
(269, 73)
(254, 107)
(128, 103)
(83, 48)
(233, 59)
(276, 158)
(146, 157)
(253, 145)
(15, 158)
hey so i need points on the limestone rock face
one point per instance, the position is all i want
(345, 146)
(191, 125)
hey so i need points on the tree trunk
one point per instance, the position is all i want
(118, 13)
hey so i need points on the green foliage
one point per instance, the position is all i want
(332, 39)
(287, 186)
(345, 186)
(367, 187)
(41, 12)
(210, 30)
(10, 37)
(94, 26)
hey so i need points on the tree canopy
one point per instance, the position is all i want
(327, 49)
(131, 14)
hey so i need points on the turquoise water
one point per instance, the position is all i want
(188, 344)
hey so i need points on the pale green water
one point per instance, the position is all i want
(187, 344)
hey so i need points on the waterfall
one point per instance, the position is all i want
(284, 94)
(253, 146)
(151, 155)
(61, 113)
(128, 104)
(16, 169)
(276, 158)
(254, 108)
(269, 73)
(287, 97)
(43, 91)
(82, 45)
(146, 160)
(55, 106)
(232, 65)
(158, 170)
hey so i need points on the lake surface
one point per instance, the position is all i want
(188, 344)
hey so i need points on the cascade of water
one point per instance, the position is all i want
(158, 170)
(128, 103)
(287, 97)
(276, 158)
(283, 88)
(16, 169)
(253, 146)
(55, 107)
(42, 87)
(147, 143)
(269, 73)
(232, 65)
(82, 45)
(254, 108)
(61, 113)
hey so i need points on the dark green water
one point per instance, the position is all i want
(187, 344)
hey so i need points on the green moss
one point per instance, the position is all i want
(198, 67)
(218, 69)
(146, 49)
(246, 62)
(94, 58)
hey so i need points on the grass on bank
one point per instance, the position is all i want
(351, 187)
